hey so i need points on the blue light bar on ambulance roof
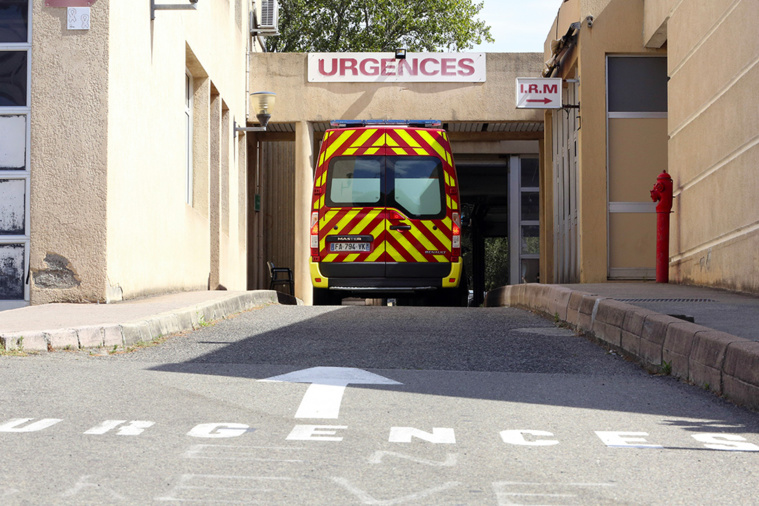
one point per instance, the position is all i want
(359, 123)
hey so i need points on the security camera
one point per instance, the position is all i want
(193, 1)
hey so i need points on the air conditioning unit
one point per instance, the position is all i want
(269, 14)
(266, 18)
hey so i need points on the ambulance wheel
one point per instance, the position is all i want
(324, 297)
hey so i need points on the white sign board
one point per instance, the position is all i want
(78, 18)
(538, 93)
(386, 68)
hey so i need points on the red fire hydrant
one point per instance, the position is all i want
(662, 193)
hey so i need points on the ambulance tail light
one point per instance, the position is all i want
(315, 236)
(456, 237)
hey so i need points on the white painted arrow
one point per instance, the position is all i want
(324, 395)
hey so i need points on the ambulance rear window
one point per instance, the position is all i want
(417, 185)
(354, 181)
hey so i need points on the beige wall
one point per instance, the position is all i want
(108, 149)
(616, 29)
(712, 131)
(656, 15)
(298, 100)
(181, 250)
(713, 52)
(69, 126)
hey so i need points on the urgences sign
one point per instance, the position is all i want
(384, 67)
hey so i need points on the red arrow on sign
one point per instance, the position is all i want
(544, 100)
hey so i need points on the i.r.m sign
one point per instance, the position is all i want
(538, 93)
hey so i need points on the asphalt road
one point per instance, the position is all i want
(367, 405)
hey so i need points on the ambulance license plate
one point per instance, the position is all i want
(349, 247)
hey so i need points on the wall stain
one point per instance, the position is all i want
(59, 273)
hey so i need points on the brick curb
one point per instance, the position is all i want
(723, 363)
(129, 333)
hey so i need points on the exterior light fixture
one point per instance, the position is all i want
(170, 7)
(262, 105)
(400, 54)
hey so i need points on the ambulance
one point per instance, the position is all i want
(386, 214)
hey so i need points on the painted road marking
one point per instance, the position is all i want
(451, 459)
(316, 433)
(13, 425)
(366, 498)
(719, 441)
(507, 492)
(219, 430)
(241, 453)
(614, 439)
(133, 428)
(84, 484)
(327, 386)
(228, 489)
(439, 435)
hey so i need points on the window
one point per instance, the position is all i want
(188, 91)
(15, 92)
(355, 181)
(417, 185)
(14, 21)
(637, 84)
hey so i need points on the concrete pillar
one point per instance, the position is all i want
(304, 162)
(214, 192)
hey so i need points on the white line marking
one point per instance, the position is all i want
(365, 498)
(216, 488)
(240, 453)
(13, 425)
(134, 428)
(451, 459)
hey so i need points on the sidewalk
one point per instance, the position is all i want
(60, 326)
(651, 323)
(729, 312)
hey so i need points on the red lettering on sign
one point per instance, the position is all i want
(533, 88)
(550, 88)
(331, 72)
(412, 68)
(467, 66)
(423, 66)
(347, 64)
(447, 66)
(369, 71)
(387, 66)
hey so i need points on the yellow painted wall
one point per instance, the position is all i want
(616, 29)
(713, 60)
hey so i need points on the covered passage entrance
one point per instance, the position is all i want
(496, 149)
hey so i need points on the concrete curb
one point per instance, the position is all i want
(723, 363)
(130, 333)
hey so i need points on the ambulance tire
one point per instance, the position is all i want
(325, 297)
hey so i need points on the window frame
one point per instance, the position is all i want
(22, 174)
(390, 200)
(189, 91)
(331, 177)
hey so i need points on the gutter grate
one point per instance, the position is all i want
(666, 300)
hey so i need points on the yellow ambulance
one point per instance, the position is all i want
(386, 214)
